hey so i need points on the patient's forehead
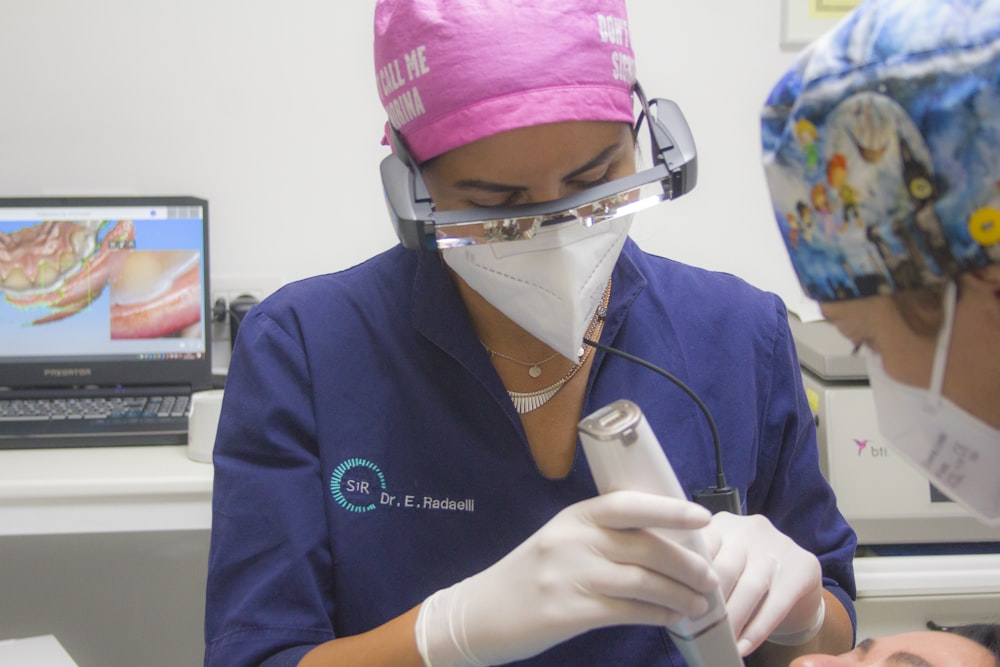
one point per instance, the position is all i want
(938, 649)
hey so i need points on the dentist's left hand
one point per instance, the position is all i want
(597, 563)
(773, 587)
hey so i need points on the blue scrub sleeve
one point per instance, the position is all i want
(269, 563)
(796, 497)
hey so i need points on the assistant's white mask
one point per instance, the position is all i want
(550, 284)
(957, 451)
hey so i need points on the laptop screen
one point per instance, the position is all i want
(104, 291)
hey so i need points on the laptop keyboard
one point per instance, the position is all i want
(95, 408)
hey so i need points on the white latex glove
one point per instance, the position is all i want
(592, 565)
(773, 587)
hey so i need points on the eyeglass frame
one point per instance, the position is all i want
(417, 223)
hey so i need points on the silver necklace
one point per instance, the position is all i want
(534, 368)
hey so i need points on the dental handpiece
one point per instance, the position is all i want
(624, 454)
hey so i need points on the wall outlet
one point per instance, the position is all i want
(225, 288)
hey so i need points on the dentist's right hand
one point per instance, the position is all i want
(594, 564)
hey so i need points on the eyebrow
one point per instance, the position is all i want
(490, 186)
(907, 659)
(901, 658)
(598, 159)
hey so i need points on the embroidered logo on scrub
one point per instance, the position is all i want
(356, 485)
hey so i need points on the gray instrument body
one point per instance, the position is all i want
(624, 454)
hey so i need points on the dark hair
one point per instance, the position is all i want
(921, 309)
(984, 634)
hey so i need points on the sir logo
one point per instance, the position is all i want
(356, 485)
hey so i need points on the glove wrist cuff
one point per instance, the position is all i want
(421, 628)
(802, 636)
(439, 631)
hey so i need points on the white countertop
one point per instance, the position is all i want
(884, 576)
(103, 489)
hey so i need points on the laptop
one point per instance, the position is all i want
(104, 322)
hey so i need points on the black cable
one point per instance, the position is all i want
(721, 496)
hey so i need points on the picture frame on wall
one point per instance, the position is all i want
(802, 21)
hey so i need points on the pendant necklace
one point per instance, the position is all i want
(534, 369)
(527, 401)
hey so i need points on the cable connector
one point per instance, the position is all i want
(720, 499)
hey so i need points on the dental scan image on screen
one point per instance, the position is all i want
(103, 282)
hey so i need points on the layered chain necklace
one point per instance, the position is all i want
(534, 369)
(527, 401)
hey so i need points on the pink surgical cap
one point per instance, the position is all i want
(450, 72)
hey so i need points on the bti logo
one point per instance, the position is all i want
(876, 452)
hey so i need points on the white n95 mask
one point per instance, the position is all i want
(550, 284)
(957, 451)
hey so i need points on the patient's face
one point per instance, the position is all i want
(912, 649)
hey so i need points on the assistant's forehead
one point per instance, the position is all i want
(857, 318)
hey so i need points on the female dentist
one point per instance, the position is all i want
(397, 474)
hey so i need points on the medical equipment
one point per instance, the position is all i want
(420, 227)
(623, 453)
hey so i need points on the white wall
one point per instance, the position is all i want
(269, 110)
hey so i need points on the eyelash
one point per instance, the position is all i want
(580, 185)
(583, 185)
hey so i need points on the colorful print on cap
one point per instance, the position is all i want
(882, 149)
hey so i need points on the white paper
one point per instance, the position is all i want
(42, 651)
